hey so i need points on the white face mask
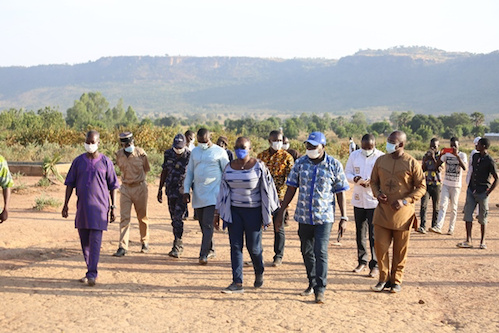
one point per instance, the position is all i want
(203, 146)
(285, 146)
(277, 145)
(391, 147)
(313, 153)
(178, 151)
(91, 148)
(130, 149)
(367, 152)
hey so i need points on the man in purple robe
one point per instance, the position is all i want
(93, 176)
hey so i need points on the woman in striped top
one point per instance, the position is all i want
(246, 201)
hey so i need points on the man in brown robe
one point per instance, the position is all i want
(397, 181)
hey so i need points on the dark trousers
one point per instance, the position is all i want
(177, 208)
(364, 226)
(433, 192)
(205, 218)
(314, 241)
(91, 241)
(279, 240)
(245, 222)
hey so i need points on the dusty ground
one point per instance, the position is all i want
(446, 289)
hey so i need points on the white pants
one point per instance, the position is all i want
(448, 195)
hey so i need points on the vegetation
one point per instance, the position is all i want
(43, 202)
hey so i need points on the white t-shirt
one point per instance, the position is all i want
(453, 170)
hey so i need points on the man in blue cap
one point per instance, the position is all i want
(320, 178)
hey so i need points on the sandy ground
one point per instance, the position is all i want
(446, 289)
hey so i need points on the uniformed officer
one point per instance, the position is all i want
(134, 167)
(172, 177)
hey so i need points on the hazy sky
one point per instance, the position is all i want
(36, 32)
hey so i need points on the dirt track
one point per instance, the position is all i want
(446, 289)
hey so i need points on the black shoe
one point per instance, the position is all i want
(396, 288)
(380, 286)
(319, 298)
(120, 253)
(277, 262)
(233, 288)
(145, 248)
(307, 292)
(258, 280)
(203, 260)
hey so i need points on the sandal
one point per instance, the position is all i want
(483, 246)
(464, 245)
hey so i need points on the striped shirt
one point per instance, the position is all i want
(5, 176)
(244, 186)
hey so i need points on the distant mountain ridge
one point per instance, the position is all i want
(420, 79)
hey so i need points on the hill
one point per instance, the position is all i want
(420, 79)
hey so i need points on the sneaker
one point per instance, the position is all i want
(396, 288)
(307, 292)
(91, 282)
(359, 268)
(83, 280)
(120, 253)
(203, 260)
(450, 232)
(374, 272)
(258, 281)
(145, 248)
(211, 255)
(380, 286)
(436, 230)
(277, 262)
(319, 298)
(233, 288)
(421, 230)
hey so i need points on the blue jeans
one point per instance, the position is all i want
(245, 222)
(314, 249)
(91, 241)
(472, 199)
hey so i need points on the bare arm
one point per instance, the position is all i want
(6, 199)
(290, 193)
(69, 192)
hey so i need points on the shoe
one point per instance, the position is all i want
(83, 280)
(319, 298)
(233, 288)
(464, 245)
(120, 253)
(91, 282)
(145, 248)
(277, 262)
(258, 281)
(203, 260)
(396, 288)
(374, 272)
(421, 230)
(307, 292)
(211, 255)
(450, 232)
(436, 230)
(483, 246)
(177, 249)
(248, 263)
(380, 286)
(359, 268)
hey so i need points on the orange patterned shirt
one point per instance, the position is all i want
(279, 165)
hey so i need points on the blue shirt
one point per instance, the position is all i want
(317, 184)
(204, 173)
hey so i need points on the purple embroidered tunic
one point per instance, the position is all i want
(93, 179)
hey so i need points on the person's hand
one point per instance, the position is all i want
(186, 198)
(4, 215)
(382, 198)
(356, 179)
(454, 151)
(278, 218)
(65, 211)
(112, 217)
(397, 204)
(160, 196)
(365, 183)
(216, 221)
(342, 227)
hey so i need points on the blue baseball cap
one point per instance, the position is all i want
(179, 141)
(316, 138)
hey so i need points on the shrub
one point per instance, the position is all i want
(43, 202)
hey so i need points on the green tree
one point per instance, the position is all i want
(90, 109)
(494, 126)
(478, 118)
(130, 118)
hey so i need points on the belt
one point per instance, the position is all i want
(134, 184)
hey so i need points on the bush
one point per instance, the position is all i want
(42, 203)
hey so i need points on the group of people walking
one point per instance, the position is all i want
(246, 194)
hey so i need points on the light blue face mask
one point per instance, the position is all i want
(130, 149)
(391, 147)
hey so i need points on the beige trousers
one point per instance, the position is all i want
(382, 239)
(136, 195)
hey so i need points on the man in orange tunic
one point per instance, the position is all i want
(397, 181)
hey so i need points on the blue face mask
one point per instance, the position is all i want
(130, 149)
(391, 147)
(241, 153)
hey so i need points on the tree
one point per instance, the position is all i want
(494, 126)
(90, 109)
(130, 117)
(381, 127)
(478, 118)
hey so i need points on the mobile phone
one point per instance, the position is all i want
(447, 150)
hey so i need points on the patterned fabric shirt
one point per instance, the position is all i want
(317, 184)
(176, 167)
(5, 176)
(279, 165)
(432, 172)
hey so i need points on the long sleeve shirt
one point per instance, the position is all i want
(398, 179)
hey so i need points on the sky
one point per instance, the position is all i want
(35, 32)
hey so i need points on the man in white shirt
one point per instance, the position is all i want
(358, 170)
(455, 161)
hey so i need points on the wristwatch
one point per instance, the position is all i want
(404, 202)
(113, 206)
